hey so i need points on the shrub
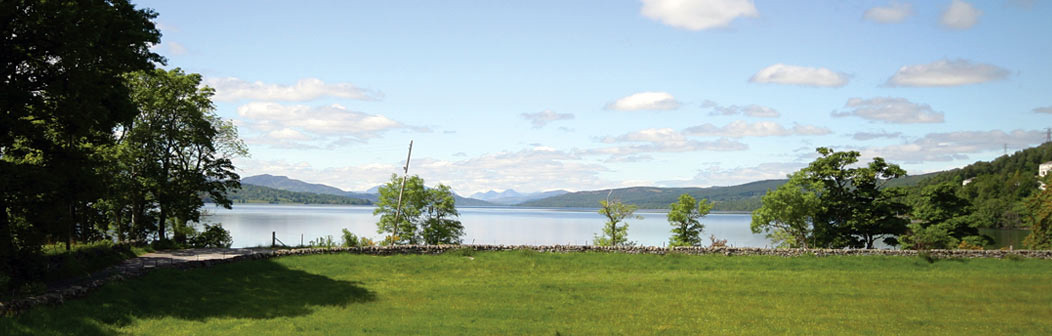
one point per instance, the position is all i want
(350, 239)
(717, 242)
(212, 236)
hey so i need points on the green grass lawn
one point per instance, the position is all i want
(570, 294)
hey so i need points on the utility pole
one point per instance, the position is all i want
(1006, 149)
(1048, 134)
(398, 211)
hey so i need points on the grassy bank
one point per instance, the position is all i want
(584, 293)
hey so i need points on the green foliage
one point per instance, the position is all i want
(322, 242)
(212, 236)
(426, 215)
(997, 189)
(250, 193)
(349, 239)
(62, 97)
(615, 213)
(856, 209)
(1039, 217)
(787, 213)
(942, 220)
(684, 216)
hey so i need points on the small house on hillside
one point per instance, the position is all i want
(1044, 169)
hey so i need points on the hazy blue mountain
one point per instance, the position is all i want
(285, 183)
(510, 196)
(745, 197)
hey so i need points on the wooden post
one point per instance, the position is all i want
(273, 238)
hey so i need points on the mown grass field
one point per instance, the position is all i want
(570, 294)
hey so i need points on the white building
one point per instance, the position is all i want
(1044, 169)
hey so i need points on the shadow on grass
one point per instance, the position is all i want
(255, 290)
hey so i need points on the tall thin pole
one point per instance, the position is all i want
(1048, 134)
(398, 211)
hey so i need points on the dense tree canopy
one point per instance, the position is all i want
(62, 64)
(788, 212)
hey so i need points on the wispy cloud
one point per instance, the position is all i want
(955, 145)
(751, 110)
(645, 101)
(864, 136)
(1046, 109)
(234, 89)
(739, 128)
(960, 15)
(946, 73)
(890, 110)
(716, 175)
(893, 13)
(800, 75)
(542, 118)
(698, 14)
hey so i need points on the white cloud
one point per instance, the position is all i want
(718, 176)
(1046, 109)
(527, 170)
(893, 13)
(890, 110)
(946, 73)
(670, 145)
(233, 89)
(542, 118)
(863, 136)
(301, 122)
(739, 128)
(960, 15)
(955, 145)
(800, 75)
(645, 101)
(698, 14)
(751, 110)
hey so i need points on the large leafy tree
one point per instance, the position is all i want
(616, 213)
(62, 95)
(425, 216)
(685, 217)
(856, 207)
(178, 148)
(788, 212)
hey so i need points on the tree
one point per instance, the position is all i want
(856, 208)
(615, 213)
(1039, 216)
(178, 147)
(425, 216)
(61, 64)
(942, 219)
(684, 217)
(788, 212)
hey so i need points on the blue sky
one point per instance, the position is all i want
(579, 95)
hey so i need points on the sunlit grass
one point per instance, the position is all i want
(583, 293)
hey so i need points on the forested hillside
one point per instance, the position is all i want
(997, 188)
(743, 197)
(250, 193)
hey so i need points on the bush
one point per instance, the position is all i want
(212, 236)
(350, 239)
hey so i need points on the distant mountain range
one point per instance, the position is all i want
(285, 183)
(745, 197)
(511, 197)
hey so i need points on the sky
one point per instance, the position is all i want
(583, 95)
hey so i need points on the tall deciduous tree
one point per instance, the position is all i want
(425, 216)
(684, 216)
(62, 94)
(856, 208)
(942, 219)
(788, 212)
(615, 213)
(179, 147)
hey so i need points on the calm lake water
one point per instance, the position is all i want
(252, 224)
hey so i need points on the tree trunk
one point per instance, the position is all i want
(69, 232)
(161, 223)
